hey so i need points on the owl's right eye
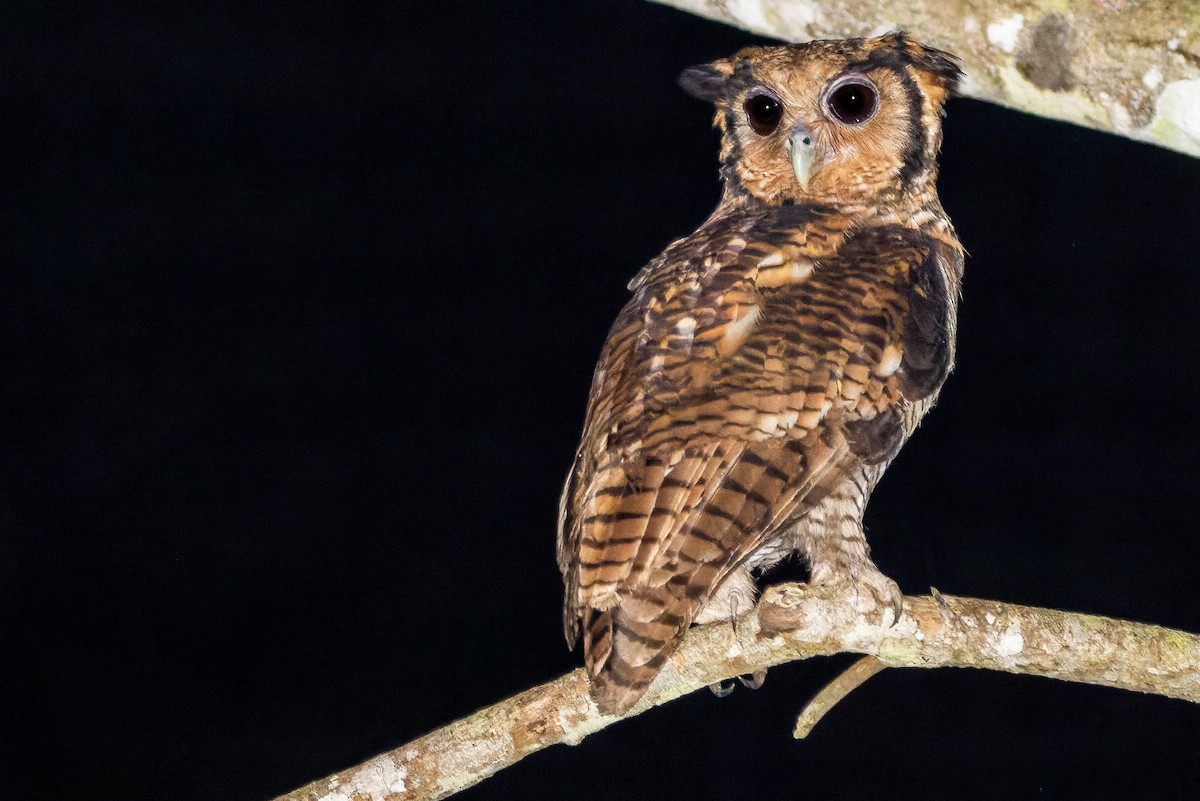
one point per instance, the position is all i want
(763, 113)
(853, 101)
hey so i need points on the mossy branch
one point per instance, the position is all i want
(1127, 68)
(791, 622)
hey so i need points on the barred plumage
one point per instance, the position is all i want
(770, 365)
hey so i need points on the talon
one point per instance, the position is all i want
(753, 681)
(890, 599)
(735, 598)
(721, 688)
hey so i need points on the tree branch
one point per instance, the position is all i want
(791, 622)
(834, 692)
(1131, 68)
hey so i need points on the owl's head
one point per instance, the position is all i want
(838, 122)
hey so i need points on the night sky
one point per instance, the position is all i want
(298, 313)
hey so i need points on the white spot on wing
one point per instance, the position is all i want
(772, 259)
(889, 361)
(738, 330)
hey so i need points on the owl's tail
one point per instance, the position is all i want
(625, 647)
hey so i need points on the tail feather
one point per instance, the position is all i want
(626, 647)
(729, 514)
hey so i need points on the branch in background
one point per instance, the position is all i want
(837, 689)
(1131, 68)
(791, 622)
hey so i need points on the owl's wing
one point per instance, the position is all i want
(755, 360)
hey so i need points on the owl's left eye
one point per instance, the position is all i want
(764, 113)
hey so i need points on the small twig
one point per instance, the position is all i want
(791, 622)
(834, 692)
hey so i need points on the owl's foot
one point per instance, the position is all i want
(872, 591)
(734, 596)
(750, 681)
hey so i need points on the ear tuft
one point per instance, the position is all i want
(942, 66)
(706, 81)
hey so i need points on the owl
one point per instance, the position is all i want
(770, 365)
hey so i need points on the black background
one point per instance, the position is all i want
(300, 306)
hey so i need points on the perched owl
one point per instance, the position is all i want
(770, 365)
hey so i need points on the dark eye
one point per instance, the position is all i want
(764, 113)
(853, 102)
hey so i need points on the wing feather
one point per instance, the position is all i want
(720, 412)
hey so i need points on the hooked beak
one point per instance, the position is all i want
(800, 144)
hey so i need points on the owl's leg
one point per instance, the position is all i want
(735, 596)
(831, 537)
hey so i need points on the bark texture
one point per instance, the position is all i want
(1130, 67)
(791, 622)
